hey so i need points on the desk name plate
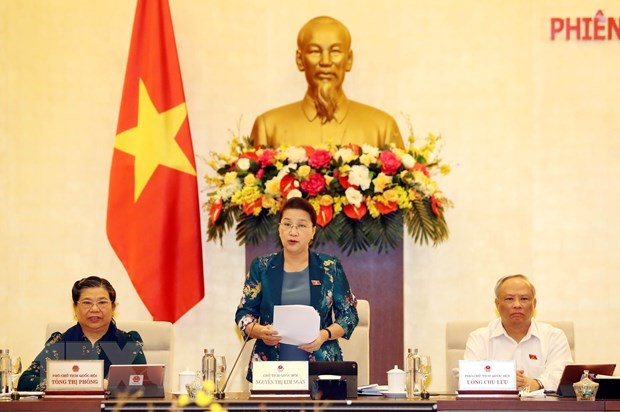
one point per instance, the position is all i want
(74, 375)
(280, 376)
(487, 375)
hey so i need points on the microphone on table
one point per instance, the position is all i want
(219, 393)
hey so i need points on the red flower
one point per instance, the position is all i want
(260, 174)
(325, 215)
(356, 148)
(422, 168)
(266, 158)
(386, 209)
(436, 206)
(248, 208)
(344, 181)
(287, 184)
(314, 185)
(320, 159)
(216, 211)
(389, 162)
(249, 155)
(353, 212)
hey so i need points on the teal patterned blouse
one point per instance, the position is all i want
(329, 292)
(115, 347)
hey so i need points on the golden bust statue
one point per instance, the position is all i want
(325, 115)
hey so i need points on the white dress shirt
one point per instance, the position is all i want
(542, 353)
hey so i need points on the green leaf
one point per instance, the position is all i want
(423, 225)
(385, 232)
(352, 238)
(226, 221)
(328, 234)
(256, 229)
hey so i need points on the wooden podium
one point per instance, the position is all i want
(377, 278)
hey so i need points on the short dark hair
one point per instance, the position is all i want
(300, 204)
(92, 282)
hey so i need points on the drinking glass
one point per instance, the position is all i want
(423, 369)
(220, 371)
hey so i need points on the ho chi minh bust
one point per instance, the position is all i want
(325, 115)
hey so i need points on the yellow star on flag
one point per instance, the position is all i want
(152, 142)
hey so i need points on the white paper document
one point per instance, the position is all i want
(297, 324)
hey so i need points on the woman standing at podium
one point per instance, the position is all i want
(94, 336)
(296, 276)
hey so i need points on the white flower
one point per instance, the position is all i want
(243, 163)
(286, 170)
(226, 191)
(359, 175)
(408, 161)
(371, 150)
(293, 193)
(296, 154)
(354, 197)
(345, 154)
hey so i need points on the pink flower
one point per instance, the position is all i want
(314, 185)
(389, 162)
(266, 157)
(320, 159)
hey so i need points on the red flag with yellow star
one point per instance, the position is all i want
(153, 209)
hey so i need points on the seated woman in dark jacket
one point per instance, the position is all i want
(95, 336)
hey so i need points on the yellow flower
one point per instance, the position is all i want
(216, 407)
(247, 194)
(304, 171)
(268, 202)
(339, 201)
(203, 399)
(390, 195)
(367, 159)
(249, 179)
(398, 152)
(372, 209)
(272, 187)
(208, 386)
(445, 169)
(279, 165)
(230, 177)
(326, 200)
(344, 170)
(184, 400)
(281, 156)
(328, 179)
(381, 182)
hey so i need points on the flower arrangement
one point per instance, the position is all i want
(362, 194)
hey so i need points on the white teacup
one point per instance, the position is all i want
(396, 380)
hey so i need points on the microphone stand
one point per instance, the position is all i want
(220, 393)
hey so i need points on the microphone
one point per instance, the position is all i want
(220, 393)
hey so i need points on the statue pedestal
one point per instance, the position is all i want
(377, 278)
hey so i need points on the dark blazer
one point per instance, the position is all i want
(115, 347)
(330, 295)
